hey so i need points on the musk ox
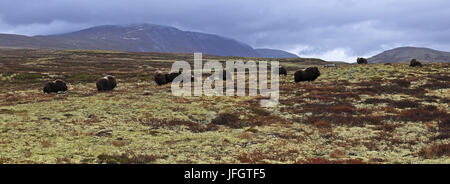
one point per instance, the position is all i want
(310, 74)
(107, 83)
(160, 79)
(55, 86)
(415, 63)
(171, 76)
(282, 71)
(361, 61)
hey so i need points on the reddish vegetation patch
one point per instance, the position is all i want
(435, 151)
(348, 120)
(435, 84)
(389, 109)
(323, 124)
(170, 124)
(337, 154)
(391, 89)
(397, 104)
(405, 104)
(440, 77)
(421, 114)
(314, 108)
(258, 157)
(368, 91)
(325, 161)
(265, 120)
(342, 109)
(127, 158)
(346, 95)
(444, 129)
(377, 101)
(119, 143)
(227, 119)
(430, 108)
(46, 143)
(401, 82)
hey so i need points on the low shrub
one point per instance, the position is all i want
(227, 119)
(435, 151)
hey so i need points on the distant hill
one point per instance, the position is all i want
(405, 54)
(140, 38)
(273, 53)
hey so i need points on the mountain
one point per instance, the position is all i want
(139, 38)
(274, 53)
(405, 54)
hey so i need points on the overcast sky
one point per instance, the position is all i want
(327, 29)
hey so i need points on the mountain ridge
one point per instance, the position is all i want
(406, 54)
(140, 38)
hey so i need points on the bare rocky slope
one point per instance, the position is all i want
(405, 54)
(141, 38)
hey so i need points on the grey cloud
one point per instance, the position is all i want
(345, 28)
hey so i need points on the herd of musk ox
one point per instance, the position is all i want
(108, 83)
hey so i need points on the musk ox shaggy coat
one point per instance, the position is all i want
(55, 86)
(282, 71)
(361, 61)
(171, 76)
(415, 63)
(107, 83)
(310, 74)
(160, 78)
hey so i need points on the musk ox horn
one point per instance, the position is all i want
(310, 74)
(107, 83)
(55, 86)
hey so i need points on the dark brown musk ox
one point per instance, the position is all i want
(309, 74)
(171, 76)
(55, 86)
(160, 78)
(415, 63)
(283, 71)
(107, 83)
(362, 61)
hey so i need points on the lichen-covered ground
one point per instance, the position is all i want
(351, 114)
